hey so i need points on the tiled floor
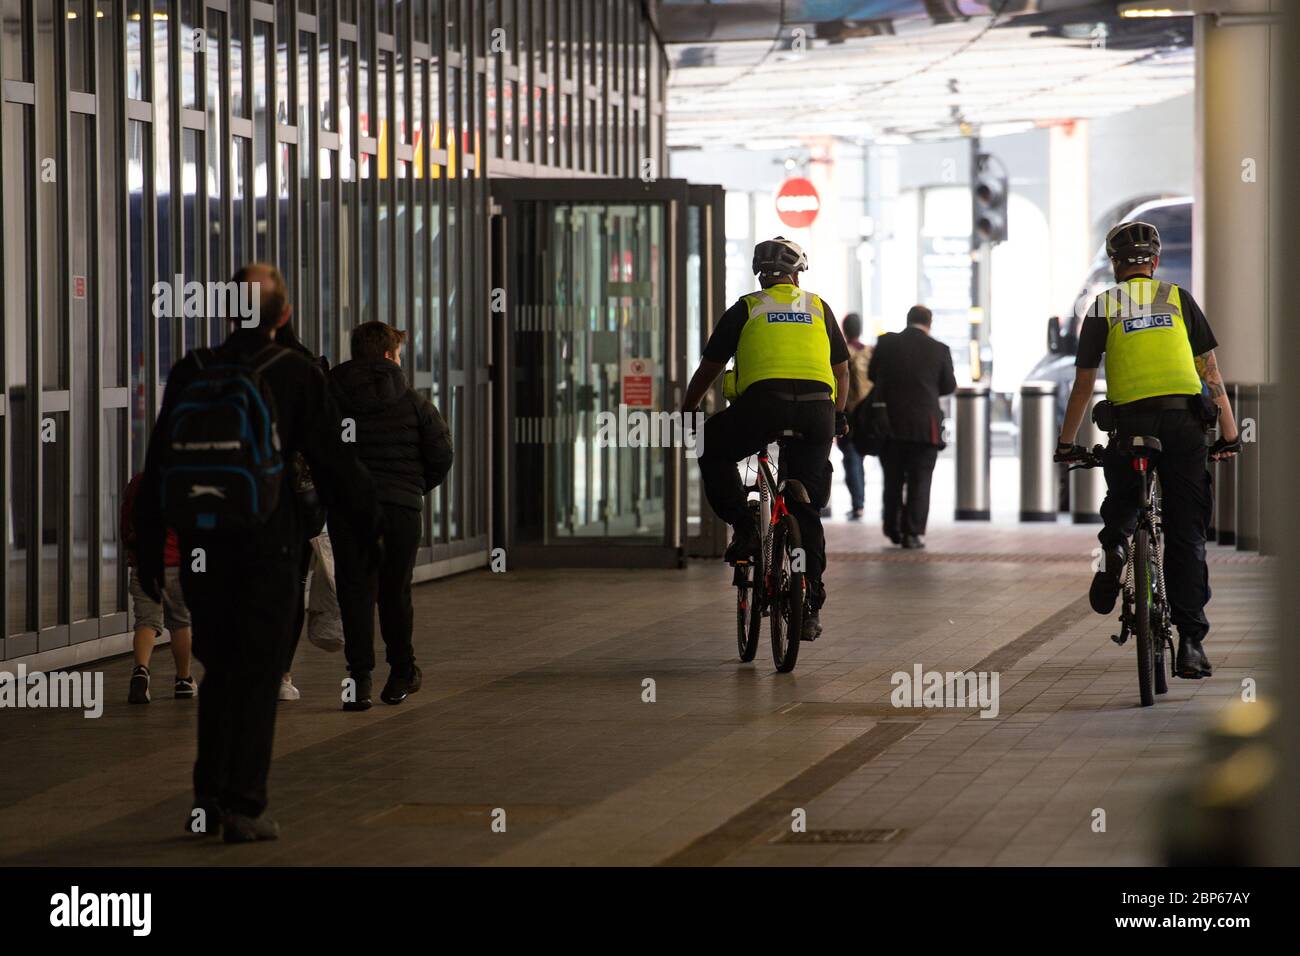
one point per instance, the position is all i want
(534, 713)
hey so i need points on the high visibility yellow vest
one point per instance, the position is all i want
(1148, 353)
(785, 336)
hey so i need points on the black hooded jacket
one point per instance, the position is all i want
(400, 437)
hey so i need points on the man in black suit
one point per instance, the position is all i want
(911, 370)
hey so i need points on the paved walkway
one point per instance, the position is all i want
(533, 705)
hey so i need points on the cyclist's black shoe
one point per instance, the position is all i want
(1105, 583)
(1191, 663)
(744, 543)
(812, 625)
(1103, 593)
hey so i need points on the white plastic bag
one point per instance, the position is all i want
(324, 622)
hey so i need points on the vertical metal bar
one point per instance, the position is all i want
(33, 385)
(5, 412)
(94, 328)
(176, 154)
(122, 312)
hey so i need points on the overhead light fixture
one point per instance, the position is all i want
(1146, 11)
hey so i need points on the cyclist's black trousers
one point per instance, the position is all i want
(744, 429)
(1186, 504)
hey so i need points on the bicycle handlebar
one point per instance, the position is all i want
(1091, 458)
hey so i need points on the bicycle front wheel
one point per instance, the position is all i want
(787, 584)
(1146, 636)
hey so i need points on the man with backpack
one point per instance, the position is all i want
(217, 471)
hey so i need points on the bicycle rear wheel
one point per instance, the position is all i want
(1142, 585)
(786, 594)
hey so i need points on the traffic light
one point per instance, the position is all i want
(989, 197)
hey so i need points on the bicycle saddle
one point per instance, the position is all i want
(1140, 445)
(783, 434)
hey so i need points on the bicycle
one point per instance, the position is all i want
(1144, 613)
(772, 583)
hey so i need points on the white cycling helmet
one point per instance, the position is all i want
(779, 257)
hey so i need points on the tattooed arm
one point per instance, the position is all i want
(1207, 366)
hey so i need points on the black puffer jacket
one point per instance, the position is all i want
(400, 437)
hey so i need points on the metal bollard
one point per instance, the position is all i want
(1225, 488)
(1248, 473)
(973, 446)
(1088, 485)
(1039, 475)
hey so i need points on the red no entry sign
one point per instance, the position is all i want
(797, 203)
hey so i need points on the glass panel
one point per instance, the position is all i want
(218, 266)
(402, 252)
(285, 238)
(284, 112)
(111, 598)
(453, 276)
(262, 136)
(81, 226)
(111, 260)
(136, 87)
(311, 267)
(384, 190)
(139, 165)
(365, 107)
(18, 188)
(453, 477)
(79, 46)
(51, 275)
(238, 37)
(694, 333)
(325, 76)
(433, 358)
(193, 239)
(599, 302)
(348, 225)
(240, 252)
(54, 528)
(167, 214)
(12, 30)
(191, 43)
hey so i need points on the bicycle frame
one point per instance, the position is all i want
(772, 509)
(1149, 518)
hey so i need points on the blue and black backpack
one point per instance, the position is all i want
(222, 469)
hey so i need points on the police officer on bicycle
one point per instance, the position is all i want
(791, 374)
(1162, 380)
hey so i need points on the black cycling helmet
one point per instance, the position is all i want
(1133, 242)
(779, 257)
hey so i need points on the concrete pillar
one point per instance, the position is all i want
(1283, 836)
(1068, 203)
(1234, 173)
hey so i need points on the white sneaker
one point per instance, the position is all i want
(287, 690)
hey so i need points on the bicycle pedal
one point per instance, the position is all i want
(1120, 639)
